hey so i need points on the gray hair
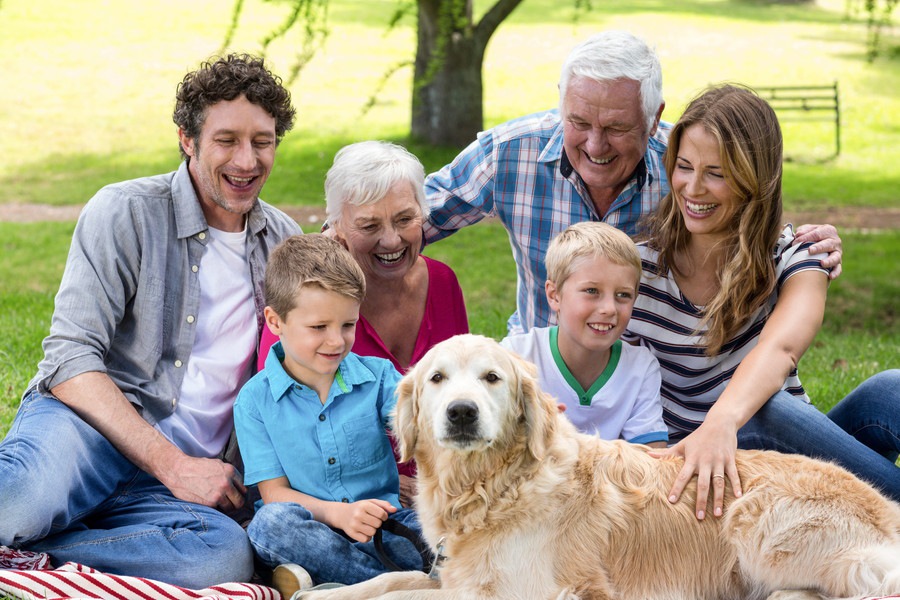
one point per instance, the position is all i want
(613, 55)
(364, 172)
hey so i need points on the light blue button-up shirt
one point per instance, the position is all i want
(338, 451)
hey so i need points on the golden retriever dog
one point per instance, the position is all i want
(527, 508)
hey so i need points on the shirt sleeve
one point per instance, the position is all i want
(388, 397)
(645, 424)
(461, 193)
(453, 319)
(790, 260)
(260, 459)
(101, 276)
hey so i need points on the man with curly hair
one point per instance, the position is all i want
(116, 457)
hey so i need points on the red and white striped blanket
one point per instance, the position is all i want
(29, 576)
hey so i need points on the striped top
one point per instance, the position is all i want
(664, 321)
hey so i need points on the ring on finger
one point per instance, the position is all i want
(718, 476)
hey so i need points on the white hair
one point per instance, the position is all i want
(613, 55)
(364, 172)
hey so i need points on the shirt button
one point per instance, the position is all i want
(195, 268)
(178, 364)
(331, 461)
(321, 417)
(190, 319)
(202, 235)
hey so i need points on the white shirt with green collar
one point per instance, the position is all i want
(624, 401)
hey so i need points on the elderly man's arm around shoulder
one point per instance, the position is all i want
(824, 238)
(97, 400)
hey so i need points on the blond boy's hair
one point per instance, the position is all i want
(310, 260)
(590, 239)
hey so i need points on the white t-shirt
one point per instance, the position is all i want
(623, 403)
(224, 348)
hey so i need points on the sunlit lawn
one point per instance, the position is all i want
(89, 85)
(88, 95)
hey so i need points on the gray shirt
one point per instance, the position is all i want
(129, 296)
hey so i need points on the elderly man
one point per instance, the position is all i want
(113, 458)
(597, 158)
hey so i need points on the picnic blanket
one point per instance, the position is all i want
(30, 576)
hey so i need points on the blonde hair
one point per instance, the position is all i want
(310, 260)
(750, 147)
(590, 239)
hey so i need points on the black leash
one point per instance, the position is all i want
(398, 528)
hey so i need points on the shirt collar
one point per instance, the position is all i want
(640, 175)
(352, 372)
(189, 217)
(553, 150)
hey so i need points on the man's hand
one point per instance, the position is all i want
(206, 481)
(824, 239)
(97, 400)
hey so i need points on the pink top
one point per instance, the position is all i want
(445, 316)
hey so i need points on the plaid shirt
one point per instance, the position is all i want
(519, 173)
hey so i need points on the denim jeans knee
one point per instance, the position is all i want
(286, 532)
(56, 471)
(789, 425)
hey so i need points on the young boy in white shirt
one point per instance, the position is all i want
(609, 388)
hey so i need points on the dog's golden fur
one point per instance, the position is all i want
(530, 509)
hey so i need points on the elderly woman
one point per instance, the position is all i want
(375, 204)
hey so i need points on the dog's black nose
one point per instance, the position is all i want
(462, 412)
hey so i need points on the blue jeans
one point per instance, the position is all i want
(65, 490)
(285, 532)
(861, 433)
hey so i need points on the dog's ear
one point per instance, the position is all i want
(538, 408)
(405, 415)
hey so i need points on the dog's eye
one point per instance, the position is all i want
(437, 377)
(492, 377)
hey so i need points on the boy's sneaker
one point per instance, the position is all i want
(289, 578)
(298, 595)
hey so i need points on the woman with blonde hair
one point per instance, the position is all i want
(728, 306)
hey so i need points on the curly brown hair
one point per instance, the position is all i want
(226, 78)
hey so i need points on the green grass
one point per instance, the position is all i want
(90, 89)
(91, 84)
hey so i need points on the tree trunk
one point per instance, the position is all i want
(447, 84)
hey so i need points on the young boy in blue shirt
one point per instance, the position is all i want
(311, 428)
(609, 388)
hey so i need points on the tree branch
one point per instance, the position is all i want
(493, 18)
(232, 28)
